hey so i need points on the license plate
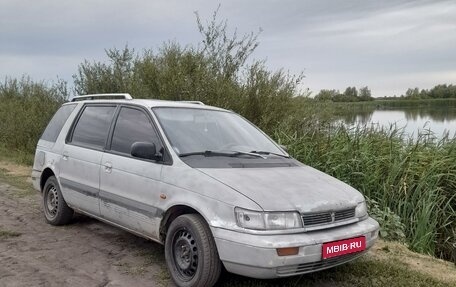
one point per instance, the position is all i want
(341, 247)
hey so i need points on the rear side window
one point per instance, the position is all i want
(93, 125)
(132, 126)
(54, 127)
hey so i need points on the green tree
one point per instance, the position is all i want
(413, 94)
(114, 77)
(351, 93)
(365, 94)
(215, 72)
(326, 95)
(226, 53)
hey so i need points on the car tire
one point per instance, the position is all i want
(56, 211)
(190, 252)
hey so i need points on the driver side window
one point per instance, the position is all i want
(133, 125)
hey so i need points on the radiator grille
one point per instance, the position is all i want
(327, 217)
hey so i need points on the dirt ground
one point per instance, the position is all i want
(85, 253)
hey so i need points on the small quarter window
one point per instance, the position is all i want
(133, 126)
(93, 125)
(54, 127)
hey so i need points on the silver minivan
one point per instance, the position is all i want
(203, 181)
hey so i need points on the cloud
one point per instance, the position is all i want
(371, 45)
(335, 43)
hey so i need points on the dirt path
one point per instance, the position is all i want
(86, 253)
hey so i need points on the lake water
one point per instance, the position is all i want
(439, 120)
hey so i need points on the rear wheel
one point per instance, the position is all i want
(191, 253)
(56, 211)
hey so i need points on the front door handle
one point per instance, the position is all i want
(108, 167)
(65, 155)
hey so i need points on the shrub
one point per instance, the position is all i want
(25, 109)
(391, 226)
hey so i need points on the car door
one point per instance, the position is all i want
(80, 163)
(130, 187)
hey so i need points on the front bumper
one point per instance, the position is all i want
(256, 255)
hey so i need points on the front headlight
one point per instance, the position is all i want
(260, 220)
(361, 210)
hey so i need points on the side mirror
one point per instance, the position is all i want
(284, 147)
(145, 150)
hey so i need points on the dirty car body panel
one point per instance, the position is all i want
(99, 177)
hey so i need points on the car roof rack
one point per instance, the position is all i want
(194, 102)
(101, 96)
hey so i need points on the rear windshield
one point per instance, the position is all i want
(54, 127)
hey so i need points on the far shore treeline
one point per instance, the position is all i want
(410, 183)
(351, 94)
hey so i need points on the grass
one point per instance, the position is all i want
(16, 156)
(14, 172)
(392, 103)
(364, 272)
(156, 255)
(24, 188)
(8, 234)
(147, 257)
(401, 103)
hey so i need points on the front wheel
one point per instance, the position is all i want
(191, 253)
(56, 211)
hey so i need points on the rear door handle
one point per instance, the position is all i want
(108, 167)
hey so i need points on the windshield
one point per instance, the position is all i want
(198, 130)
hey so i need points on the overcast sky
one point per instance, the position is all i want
(386, 45)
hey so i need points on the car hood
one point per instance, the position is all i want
(302, 188)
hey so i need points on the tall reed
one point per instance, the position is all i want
(415, 178)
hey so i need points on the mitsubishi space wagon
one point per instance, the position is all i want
(203, 181)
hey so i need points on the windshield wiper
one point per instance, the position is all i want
(221, 153)
(206, 153)
(268, 152)
(249, 153)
